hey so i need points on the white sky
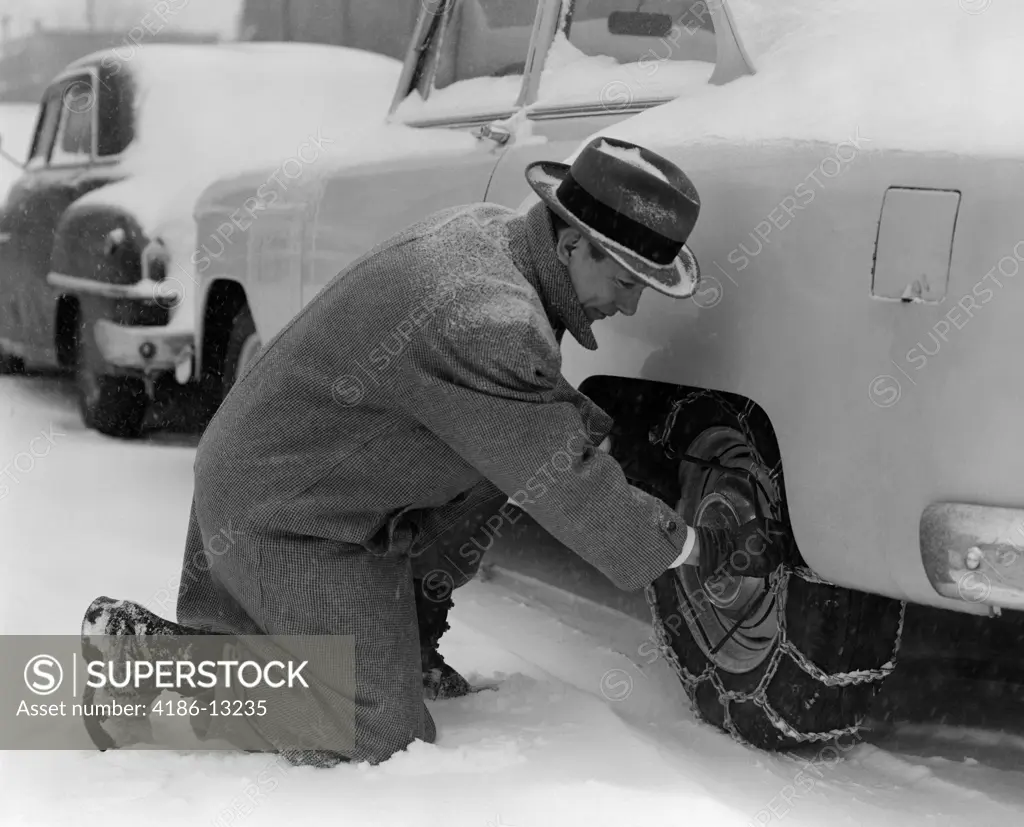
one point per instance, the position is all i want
(201, 15)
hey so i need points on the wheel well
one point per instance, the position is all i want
(641, 410)
(223, 302)
(66, 330)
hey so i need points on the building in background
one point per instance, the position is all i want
(382, 26)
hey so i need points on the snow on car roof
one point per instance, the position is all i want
(917, 75)
(205, 102)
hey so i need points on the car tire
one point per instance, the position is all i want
(808, 661)
(242, 347)
(113, 405)
(11, 365)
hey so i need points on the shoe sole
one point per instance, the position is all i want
(92, 621)
(96, 623)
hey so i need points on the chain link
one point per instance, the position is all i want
(664, 439)
(778, 584)
(779, 587)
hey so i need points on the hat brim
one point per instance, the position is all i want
(678, 279)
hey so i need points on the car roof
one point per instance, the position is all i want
(216, 103)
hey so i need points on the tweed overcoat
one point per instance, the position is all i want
(424, 379)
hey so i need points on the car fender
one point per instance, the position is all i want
(99, 241)
(787, 319)
(132, 214)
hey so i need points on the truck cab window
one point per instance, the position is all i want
(74, 137)
(46, 129)
(620, 52)
(481, 57)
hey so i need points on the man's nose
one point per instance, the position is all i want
(628, 304)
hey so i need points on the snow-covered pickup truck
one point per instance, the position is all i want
(97, 235)
(847, 362)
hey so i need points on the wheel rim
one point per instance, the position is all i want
(726, 500)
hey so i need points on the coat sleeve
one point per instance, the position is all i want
(494, 393)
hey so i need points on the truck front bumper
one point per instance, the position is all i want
(975, 553)
(148, 350)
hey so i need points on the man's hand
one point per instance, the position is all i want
(755, 549)
(606, 446)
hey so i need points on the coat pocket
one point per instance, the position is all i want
(397, 536)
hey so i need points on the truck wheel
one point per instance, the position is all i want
(242, 347)
(807, 658)
(113, 405)
(10, 365)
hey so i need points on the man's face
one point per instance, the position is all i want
(603, 286)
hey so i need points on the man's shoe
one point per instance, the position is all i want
(440, 681)
(117, 632)
(755, 549)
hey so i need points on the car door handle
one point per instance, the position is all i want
(495, 132)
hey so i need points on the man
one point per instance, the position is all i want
(421, 385)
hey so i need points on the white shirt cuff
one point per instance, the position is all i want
(691, 539)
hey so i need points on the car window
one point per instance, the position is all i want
(115, 117)
(46, 129)
(618, 53)
(74, 135)
(481, 56)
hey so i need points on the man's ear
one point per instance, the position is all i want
(568, 238)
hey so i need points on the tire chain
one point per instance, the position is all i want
(778, 585)
(742, 416)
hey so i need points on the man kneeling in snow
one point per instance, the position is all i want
(423, 384)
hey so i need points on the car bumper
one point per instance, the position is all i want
(975, 553)
(168, 292)
(146, 349)
(136, 348)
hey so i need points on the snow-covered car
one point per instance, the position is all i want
(98, 233)
(860, 205)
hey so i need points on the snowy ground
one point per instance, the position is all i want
(562, 742)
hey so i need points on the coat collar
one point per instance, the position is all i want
(533, 248)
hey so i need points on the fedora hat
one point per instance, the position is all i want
(636, 206)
